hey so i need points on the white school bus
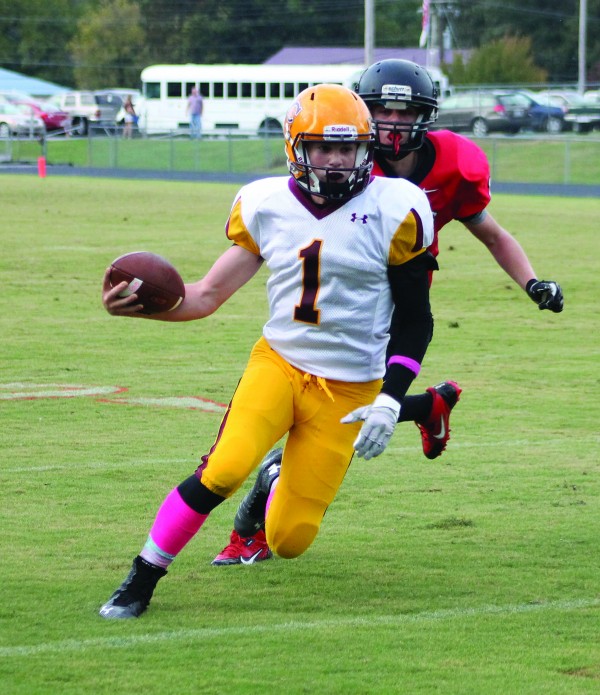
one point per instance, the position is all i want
(250, 99)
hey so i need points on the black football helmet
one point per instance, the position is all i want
(400, 84)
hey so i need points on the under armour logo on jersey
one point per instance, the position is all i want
(355, 217)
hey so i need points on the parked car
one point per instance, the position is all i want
(54, 119)
(544, 117)
(112, 101)
(581, 116)
(482, 112)
(14, 121)
(82, 107)
(592, 96)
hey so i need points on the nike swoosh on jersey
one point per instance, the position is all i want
(430, 190)
(250, 560)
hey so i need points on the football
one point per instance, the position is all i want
(156, 282)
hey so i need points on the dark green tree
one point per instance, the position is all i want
(33, 36)
(109, 47)
(552, 27)
(249, 31)
(36, 35)
(397, 24)
(503, 61)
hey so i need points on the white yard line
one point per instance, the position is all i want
(203, 634)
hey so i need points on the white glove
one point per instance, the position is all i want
(380, 419)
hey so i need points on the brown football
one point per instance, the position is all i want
(156, 282)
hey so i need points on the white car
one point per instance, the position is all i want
(82, 107)
(592, 96)
(20, 122)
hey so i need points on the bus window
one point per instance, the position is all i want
(173, 89)
(244, 96)
(152, 90)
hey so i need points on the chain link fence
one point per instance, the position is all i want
(549, 159)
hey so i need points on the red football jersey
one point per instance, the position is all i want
(458, 183)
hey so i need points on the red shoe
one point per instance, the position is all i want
(244, 551)
(435, 431)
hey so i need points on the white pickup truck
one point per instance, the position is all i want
(84, 109)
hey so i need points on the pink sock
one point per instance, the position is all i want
(175, 525)
(270, 497)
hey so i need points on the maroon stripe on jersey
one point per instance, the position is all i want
(419, 224)
(317, 211)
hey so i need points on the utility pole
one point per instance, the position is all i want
(582, 45)
(369, 31)
(440, 26)
(435, 37)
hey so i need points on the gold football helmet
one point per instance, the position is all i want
(329, 113)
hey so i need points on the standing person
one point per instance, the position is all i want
(129, 118)
(320, 367)
(195, 105)
(454, 173)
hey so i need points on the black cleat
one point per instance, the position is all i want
(131, 599)
(250, 516)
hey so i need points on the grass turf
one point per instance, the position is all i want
(476, 573)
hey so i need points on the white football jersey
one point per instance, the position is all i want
(329, 295)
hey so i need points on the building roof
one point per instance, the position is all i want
(11, 81)
(310, 55)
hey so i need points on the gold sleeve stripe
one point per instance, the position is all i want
(237, 232)
(407, 241)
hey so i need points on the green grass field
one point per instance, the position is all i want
(473, 574)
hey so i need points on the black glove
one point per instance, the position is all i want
(546, 294)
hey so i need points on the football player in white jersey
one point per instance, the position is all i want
(345, 254)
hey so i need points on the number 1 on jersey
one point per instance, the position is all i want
(306, 311)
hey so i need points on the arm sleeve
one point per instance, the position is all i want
(411, 329)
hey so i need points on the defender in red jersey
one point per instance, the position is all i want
(454, 173)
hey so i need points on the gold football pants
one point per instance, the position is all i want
(273, 398)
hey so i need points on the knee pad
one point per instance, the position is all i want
(291, 541)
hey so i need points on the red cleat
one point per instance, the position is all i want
(435, 431)
(244, 551)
